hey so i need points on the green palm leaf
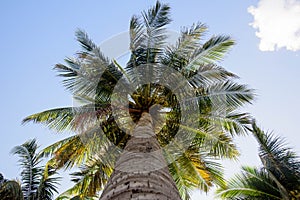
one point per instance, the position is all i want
(251, 184)
(194, 170)
(90, 180)
(211, 51)
(31, 171)
(178, 56)
(48, 184)
(38, 182)
(59, 118)
(71, 118)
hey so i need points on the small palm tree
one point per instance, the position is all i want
(105, 142)
(10, 189)
(279, 178)
(38, 182)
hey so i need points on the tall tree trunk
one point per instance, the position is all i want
(141, 171)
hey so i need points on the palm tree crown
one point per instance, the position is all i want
(279, 177)
(214, 99)
(38, 182)
(10, 189)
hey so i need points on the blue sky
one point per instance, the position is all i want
(36, 35)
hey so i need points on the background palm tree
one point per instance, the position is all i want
(91, 77)
(10, 189)
(279, 178)
(37, 182)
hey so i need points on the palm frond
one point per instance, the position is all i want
(89, 181)
(211, 51)
(58, 118)
(51, 149)
(94, 174)
(71, 118)
(215, 143)
(31, 171)
(89, 46)
(91, 73)
(78, 149)
(181, 183)
(231, 94)
(233, 122)
(208, 74)
(251, 184)
(69, 153)
(48, 184)
(155, 19)
(157, 16)
(147, 36)
(219, 146)
(227, 96)
(136, 32)
(193, 170)
(178, 56)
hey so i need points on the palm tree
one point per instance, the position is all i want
(162, 142)
(10, 189)
(38, 182)
(279, 178)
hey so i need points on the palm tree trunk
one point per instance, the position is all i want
(141, 171)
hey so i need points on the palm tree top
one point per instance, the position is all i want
(38, 182)
(278, 178)
(91, 77)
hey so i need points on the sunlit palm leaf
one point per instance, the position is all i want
(208, 74)
(211, 51)
(230, 94)
(89, 181)
(178, 56)
(193, 170)
(71, 118)
(233, 123)
(59, 119)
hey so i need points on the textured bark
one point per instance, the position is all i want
(141, 171)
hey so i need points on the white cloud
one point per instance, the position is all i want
(277, 23)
